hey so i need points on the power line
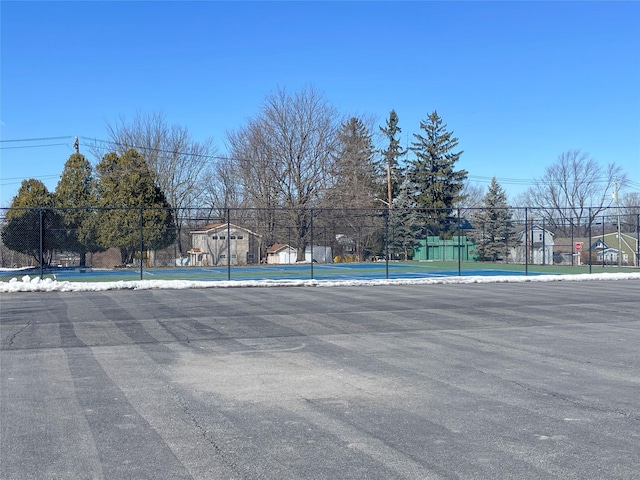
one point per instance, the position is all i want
(476, 178)
(41, 139)
(154, 149)
(18, 180)
(34, 146)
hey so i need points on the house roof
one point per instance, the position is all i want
(610, 240)
(521, 229)
(210, 226)
(276, 247)
(221, 226)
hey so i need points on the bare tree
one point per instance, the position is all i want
(256, 166)
(221, 190)
(630, 212)
(180, 164)
(472, 196)
(571, 188)
(284, 155)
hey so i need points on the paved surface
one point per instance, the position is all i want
(533, 380)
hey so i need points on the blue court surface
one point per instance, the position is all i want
(350, 271)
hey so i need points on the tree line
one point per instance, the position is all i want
(295, 155)
(91, 210)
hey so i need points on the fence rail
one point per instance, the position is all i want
(465, 239)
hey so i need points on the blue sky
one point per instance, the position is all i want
(517, 82)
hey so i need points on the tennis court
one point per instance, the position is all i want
(333, 271)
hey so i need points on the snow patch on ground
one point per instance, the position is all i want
(35, 284)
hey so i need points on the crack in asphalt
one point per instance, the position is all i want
(12, 338)
(208, 437)
(565, 398)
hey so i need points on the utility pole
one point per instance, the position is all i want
(76, 145)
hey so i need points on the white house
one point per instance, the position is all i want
(606, 248)
(539, 241)
(222, 244)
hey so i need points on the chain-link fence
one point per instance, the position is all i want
(458, 240)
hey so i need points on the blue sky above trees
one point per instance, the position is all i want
(517, 82)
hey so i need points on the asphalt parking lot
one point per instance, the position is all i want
(521, 380)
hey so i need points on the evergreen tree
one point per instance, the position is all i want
(438, 185)
(76, 197)
(390, 163)
(126, 190)
(353, 167)
(31, 214)
(354, 186)
(403, 224)
(32, 193)
(493, 232)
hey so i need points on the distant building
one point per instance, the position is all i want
(540, 243)
(434, 248)
(605, 249)
(321, 254)
(281, 254)
(222, 244)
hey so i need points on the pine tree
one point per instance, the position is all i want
(354, 187)
(76, 196)
(438, 184)
(354, 170)
(126, 189)
(493, 232)
(403, 224)
(30, 217)
(390, 163)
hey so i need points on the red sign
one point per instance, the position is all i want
(578, 246)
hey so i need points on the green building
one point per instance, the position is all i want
(436, 248)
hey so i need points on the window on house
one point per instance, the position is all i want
(240, 237)
(221, 237)
(222, 256)
(232, 237)
(214, 237)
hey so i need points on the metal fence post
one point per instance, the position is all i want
(311, 244)
(41, 244)
(544, 245)
(638, 240)
(386, 243)
(602, 246)
(141, 240)
(459, 246)
(526, 241)
(590, 241)
(573, 244)
(228, 243)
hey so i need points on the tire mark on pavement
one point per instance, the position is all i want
(127, 445)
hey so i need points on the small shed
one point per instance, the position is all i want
(321, 254)
(281, 254)
(222, 244)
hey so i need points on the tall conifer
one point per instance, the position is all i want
(433, 173)
(493, 232)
